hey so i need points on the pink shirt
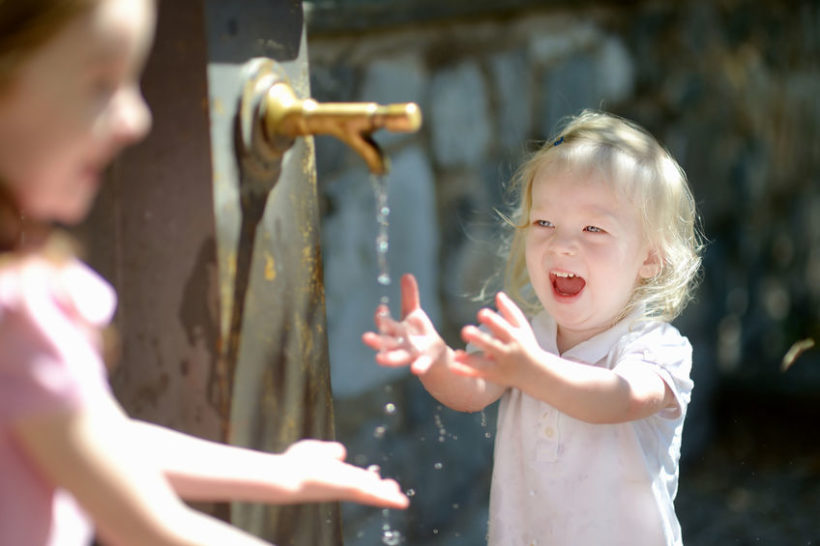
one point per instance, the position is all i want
(50, 320)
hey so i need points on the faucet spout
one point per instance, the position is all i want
(286, 115)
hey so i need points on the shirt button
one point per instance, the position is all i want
(549, 432)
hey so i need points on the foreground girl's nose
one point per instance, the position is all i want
(131, 117)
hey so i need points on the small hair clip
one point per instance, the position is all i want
(557, 142)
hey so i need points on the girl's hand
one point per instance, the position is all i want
(508, 346)
(323, 475)
(414, 341)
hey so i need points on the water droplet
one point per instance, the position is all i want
(391, 538)
(438, 466)
(384, 279)
(410, 492)
(487, 435)
(374, 468)
(435, 531)
(379, 431)
(456, 506)
(390, 408)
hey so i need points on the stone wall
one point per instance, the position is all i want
(730, 87)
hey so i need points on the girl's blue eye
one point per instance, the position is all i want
(593, 229)
(543, 223)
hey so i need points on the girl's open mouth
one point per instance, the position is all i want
(566, 285)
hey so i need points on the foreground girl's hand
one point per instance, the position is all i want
(414, 341)
(321, 474)
(508, 345)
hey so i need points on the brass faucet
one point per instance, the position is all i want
(286, 115)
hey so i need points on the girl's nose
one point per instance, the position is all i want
(563, 243)
(131, 117)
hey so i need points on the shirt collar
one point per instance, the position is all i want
(593, 349)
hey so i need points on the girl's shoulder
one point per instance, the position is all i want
(34, 286)
(52, 315)
(656, 340)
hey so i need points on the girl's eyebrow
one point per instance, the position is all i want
(591, 211)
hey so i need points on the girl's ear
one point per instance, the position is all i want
(651, 265)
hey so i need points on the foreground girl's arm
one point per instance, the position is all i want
(125, 473)
(511, 356)
(415, 342)
(91, 453)
(308, 471)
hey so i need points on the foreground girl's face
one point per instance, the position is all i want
(585, 252)
(74, 104)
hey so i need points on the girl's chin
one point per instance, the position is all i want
(70, 212)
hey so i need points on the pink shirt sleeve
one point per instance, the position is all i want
(50, 320)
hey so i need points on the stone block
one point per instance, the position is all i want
(513, 95)
(459, 115)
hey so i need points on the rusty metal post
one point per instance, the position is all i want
(274, 378)
(219, 269)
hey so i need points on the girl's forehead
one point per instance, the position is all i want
(112, 32)
(547, 177)
(587, 189)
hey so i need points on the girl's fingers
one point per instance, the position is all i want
(485, 342)
(410, 300)
(372, 340)
(421, 364)
(511, 311)
(382, 342)
(497, 324)
(387, 325)
(319, 449)
(470, 364)
(385, 492)
(394, 358)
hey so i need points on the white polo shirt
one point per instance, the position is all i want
(558, 481)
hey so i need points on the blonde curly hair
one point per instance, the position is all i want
(638, 166)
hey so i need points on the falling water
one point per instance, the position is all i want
(379, 183)
(389, 536)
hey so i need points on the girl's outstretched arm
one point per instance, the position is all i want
(92, 453)
(512, 356)
(415, 342)
(309, 471)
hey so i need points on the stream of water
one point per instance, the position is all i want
(389, 536)
(379, 183)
